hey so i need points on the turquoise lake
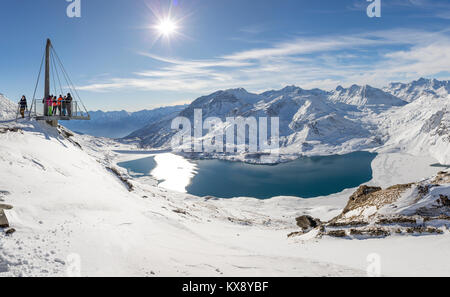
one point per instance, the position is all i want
(306, 177)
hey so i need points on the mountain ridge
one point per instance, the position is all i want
(328, 122)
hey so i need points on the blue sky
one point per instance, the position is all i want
(116, 60)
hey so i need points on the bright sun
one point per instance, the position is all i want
(167, 27)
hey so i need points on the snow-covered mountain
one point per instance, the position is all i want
(365, 97)
(315, 116)
(344, 120)
(419, 88)
(220, 104)
(116, 124)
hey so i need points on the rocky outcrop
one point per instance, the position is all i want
(367, 197)
(307, 223)
(3, 220)
(442, 177)
(409, 209)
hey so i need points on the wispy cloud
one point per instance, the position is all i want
(366, 58)
(444, 14)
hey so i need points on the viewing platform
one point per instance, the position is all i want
(74, 111)
(54, 108)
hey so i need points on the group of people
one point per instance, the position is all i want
(63, 105)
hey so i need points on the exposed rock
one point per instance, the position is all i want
(10, 231)
(240, 221)
(423, 190)
(366, 197)
(396, 220)
(5, 206)
(337, 233)
(180, 211)
(372, 232)
(443, 201)
(294, 234)
(127, 183)
(360, 196)
(3, 220)
(407, 209)
(4, 130)
(442, 177)
(64, 132)
(440, 218)
(307, 222)
(422, 230)
(345, 224)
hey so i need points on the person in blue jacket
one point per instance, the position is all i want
(23, 106)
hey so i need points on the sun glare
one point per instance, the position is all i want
(166, 27)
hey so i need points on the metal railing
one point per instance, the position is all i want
(65, 111)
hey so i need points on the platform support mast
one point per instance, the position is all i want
(53, 123)
(47, 69)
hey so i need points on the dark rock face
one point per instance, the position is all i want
(10, 231)
(3, 220)
(371, 232)
(4, 130)
(307, 222)
(337, 233)
(444, 201)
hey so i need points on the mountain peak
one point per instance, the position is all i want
(422, 87)
(243, 95)
(236, 90)
(364, 96)
(291, 88)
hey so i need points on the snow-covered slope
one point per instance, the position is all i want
(116, 124)
(420, 128)
(73, 216)
(8, 109)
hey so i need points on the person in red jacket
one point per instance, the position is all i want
(60, 101)
(55, 105)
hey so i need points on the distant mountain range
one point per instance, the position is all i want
(326, 122)
(117, 124)
(408, 117)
